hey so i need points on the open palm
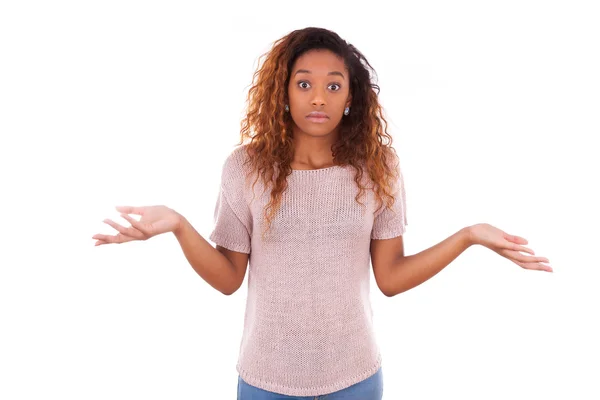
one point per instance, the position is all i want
(155, 220)
(508, 246)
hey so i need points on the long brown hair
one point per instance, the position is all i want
(363, 140)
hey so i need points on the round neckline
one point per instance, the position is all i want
(315, 170)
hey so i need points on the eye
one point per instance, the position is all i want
(300, 83)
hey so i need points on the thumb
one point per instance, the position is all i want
(136, 224)
(515, 239)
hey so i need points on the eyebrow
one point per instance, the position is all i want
(308, 72)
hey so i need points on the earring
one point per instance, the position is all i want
(347, 111)
(287, 108)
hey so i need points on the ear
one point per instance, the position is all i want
(349, 101)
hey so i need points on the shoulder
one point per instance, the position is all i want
(235, 162)
(236, 158)
(235, 169)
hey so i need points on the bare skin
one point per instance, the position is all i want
(321, 89)
(319, 81)
(154, 221)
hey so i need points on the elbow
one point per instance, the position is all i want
(228, 292)
(386, 292)
(393, 291)
(389, 290)
(231, 291)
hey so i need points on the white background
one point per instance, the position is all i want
(493, 107)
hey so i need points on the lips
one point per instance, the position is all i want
(318, 120)
(317, 114)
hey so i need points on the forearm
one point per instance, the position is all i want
(206, 260)
(411, 271)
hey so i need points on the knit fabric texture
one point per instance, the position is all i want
(308, 324)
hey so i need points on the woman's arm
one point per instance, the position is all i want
(207, 261)
(213, 266)
(410, 271)
(406, 272)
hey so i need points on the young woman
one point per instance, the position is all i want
(312, 196)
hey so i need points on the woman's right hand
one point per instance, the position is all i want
(155, 220)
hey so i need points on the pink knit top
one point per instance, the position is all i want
(308, 327)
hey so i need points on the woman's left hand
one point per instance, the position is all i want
(508, 246)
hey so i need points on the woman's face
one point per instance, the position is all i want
(320, 82)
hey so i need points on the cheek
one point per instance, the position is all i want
(296, 97)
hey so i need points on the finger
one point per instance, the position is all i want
(136, 224)
(525, 258)
(101, 237)
(119, 238)
(130, 231)
(516, 247)
(130, 210)
(516, 256)
(515, 239)
(535, 266)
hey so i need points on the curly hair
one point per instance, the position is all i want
(363, 140)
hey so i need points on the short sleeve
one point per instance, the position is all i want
(232, 216)
(390, 223)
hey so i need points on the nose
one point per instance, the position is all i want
(318, 99)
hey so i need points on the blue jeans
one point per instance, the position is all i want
(368, 389)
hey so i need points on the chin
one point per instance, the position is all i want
(320, 133)
(321, 130)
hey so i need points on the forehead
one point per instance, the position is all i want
(319, 62)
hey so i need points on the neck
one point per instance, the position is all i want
(313, 151)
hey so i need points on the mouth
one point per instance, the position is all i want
(317, 116)
(317, 119)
